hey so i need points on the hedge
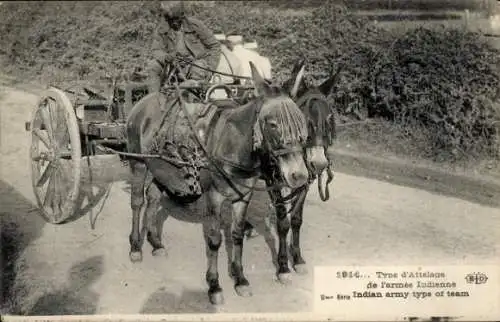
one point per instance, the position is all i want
(443, 82)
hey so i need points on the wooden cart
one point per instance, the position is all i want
(70, 124)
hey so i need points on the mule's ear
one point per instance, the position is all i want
(327, 85)
(261, 87)
(297, 76)
(297, 67)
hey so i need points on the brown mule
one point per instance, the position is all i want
(321, 132)
(262, 138)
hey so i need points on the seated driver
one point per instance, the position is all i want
(181, 36)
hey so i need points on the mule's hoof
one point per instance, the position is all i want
(284, 278)
(216, 298)
(301, 269)
(159, 252)
(243, 290)
(135, 257)
(251, 233)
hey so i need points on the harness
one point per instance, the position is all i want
(212, 71)
(216, 162)
(271, 185)
(273, 154)
(324, 195)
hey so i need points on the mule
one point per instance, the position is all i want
(263, 137)
(320, 119)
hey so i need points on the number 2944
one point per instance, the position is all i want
(348, 274)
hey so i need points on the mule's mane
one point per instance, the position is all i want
(319, 114)
(293, 123)
(290, 120)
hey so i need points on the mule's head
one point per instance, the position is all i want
(280, 134)
(319, 114)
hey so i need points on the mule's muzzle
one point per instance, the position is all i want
(293, 169)
(298, 179)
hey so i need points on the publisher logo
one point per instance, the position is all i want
(476, 278)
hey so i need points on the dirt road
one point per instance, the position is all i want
(71, 268)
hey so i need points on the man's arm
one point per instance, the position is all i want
(208, 39)
(158, 50)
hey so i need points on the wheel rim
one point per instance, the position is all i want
(55, 157)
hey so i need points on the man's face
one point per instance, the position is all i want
(174, 23)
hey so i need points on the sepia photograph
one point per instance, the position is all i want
(322, 160)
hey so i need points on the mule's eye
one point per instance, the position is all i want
(273, 124)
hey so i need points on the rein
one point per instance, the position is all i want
(214, 163)
(202, 146)
(212, 71)
(324, 195)
(274, 153)
(220, 170)
(174, 162)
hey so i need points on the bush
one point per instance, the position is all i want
(83, 40)
(446, 82)
(420, 5)
(441, 82)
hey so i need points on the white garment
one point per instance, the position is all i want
(229, 63)
(246, 56)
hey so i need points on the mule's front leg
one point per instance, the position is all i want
(138, 179)
(238, 225)
(153, 197)
(213, 239)
(299, 264)
(282, 228)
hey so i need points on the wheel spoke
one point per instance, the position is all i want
(63, 187)
(58, 124)
(39, 134)
(49, 171)
(49, 196)
(64, 169)
(63, 140)
(66, 179)
(65, 154)
(55, 153)
(58, 194)
(61, 131)
(40, 157)
(47, 121)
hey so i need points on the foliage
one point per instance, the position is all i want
(446, 81)
(420, 5)
(440, 82)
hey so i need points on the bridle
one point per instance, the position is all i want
(273, 155)
(305, 100)
(271, 158)
(272, 182)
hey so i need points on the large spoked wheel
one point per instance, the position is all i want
(55, 156)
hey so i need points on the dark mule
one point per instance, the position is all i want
(321, 132)
(265, 136)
